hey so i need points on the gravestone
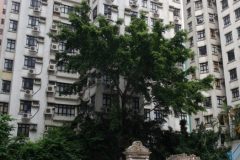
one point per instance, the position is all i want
(137, 151)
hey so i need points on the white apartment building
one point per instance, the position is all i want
(229, 16)
(201, 22)
(32, 83)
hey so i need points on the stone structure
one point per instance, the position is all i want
(183, 157)
(137, 152)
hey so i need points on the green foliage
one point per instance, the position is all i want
(204, 144)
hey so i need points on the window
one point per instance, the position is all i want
(231, 56)
(144, 3)
(198, 4)
(237, 13)
(1, 31)
(2, 21)
(107, 11)
(218, 83)
(191, 41)
(13, 25)
(212, 33)
(204, 67)
(64, 110)
(106, 101)
(15, 7)
(201, 35)
(35, 3)
(25, 106)
(27, 83)
(31, 41)
(8, 65)
(176, 12)
(208, 119)
(23, 130)
(190, 26)
(64, 89)
(228, 38)
(6, 86)
(29, 62)
(211, 17)
(226, 20)
(154, 6)
(62, 67)
(177, 27)
(134, 15)
(215, 49)
(210, 3)
(224, 4)
(202, 50)
(62, 47)
(66, 9)
(189, 14)
(11, 45)
(158, 115)
(215, 66)
(135, 104)
(33, 21)
(153, 21)
(197, 121)
(3, 108)
(220, 100)
(233, 74)
(238, 32)
(207, 102)
(4, 11)
(147, 114)
(94, 13)
(235, 93)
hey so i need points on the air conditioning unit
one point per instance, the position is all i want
(37, 9)
(37, 81)
(33, 49)
(35, 104)
(49, 111)
(31, 72)
(28, 92)
(56, 9)
(36, 29)
(52, 67)
(54, 46)
(51, 88)
(26, 116)
(133, 3)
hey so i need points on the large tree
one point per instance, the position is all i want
(144, 58)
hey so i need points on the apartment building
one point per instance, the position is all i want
(3, 4)
(201, 22)
(229, 16)
(33, 84)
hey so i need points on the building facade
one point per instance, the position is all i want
(33, 84)
(201, 21)
(229, 16)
